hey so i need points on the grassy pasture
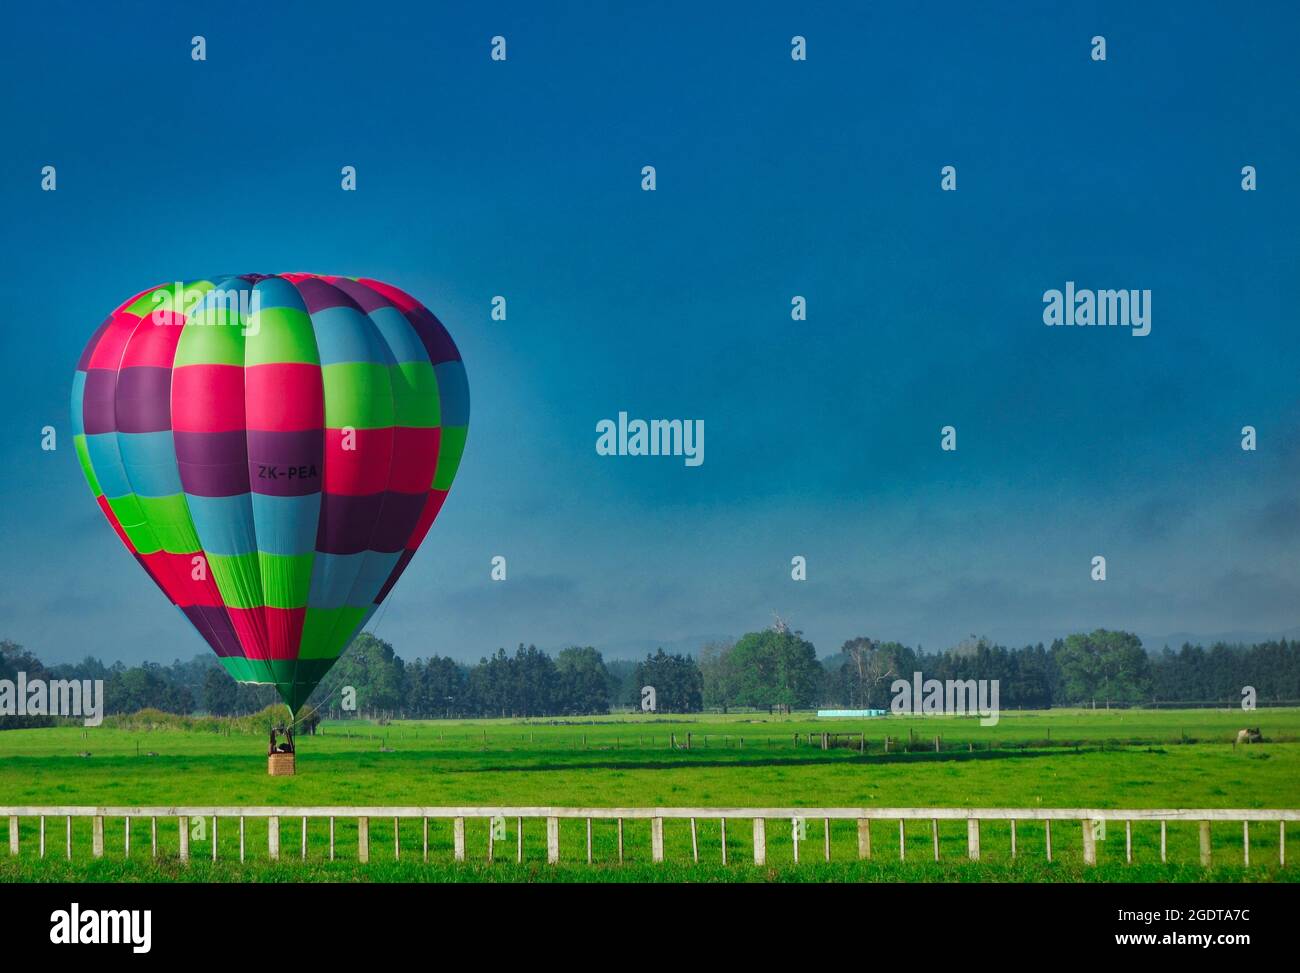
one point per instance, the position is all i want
(1049, 759)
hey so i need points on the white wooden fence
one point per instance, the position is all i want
(1082, 818)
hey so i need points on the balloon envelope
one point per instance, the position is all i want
(272, 449)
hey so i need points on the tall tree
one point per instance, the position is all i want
(1105, 665)
(220, 692)
(778, 668)
(679, 688)
(869, 668)
(718, 675)
(583, 681)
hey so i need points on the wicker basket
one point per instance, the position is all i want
(280, 764)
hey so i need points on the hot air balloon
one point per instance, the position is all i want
(272, 449)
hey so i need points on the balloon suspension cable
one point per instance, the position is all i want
(294, 721)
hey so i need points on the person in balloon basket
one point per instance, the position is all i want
(286, 746)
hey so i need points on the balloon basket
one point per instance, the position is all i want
(280, 764)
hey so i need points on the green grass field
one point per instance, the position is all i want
(1068, 758)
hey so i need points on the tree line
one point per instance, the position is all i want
(1099, 668)
(777, 670)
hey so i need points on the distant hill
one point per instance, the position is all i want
(1155, 643)
(638, 648)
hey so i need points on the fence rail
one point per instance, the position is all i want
(1085, 818)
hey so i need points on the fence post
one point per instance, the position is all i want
(1281, 842)
(1205, 844)
(153, 837)
(426, 841)
(397, 839)
(552, 840)
(363, 840)
(973, 838)
(1128, 842)
(620, 841)
(902, 842)
(126, 836)
(42, 835)
(13, 834)
(826, 831)
(1089, 843)
(588, 841)
(657, 839)
(241, 839)
(458, 838)
(723, 823)
(68, 838)
(273, 838)
(1013, 837)
(1162, 841)
(864, 837)
(214, 837)
(331, 838)
(934, 830)
(1245, 843)
(519, 838)
(695, 846)
(304, 837)
(185, 837)
(97, 837)
(760, 842)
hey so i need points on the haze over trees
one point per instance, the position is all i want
(772, 670)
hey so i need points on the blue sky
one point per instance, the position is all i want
(775, 178)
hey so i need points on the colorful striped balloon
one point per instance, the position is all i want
(272, 449)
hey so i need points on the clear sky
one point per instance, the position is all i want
(775, 178)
